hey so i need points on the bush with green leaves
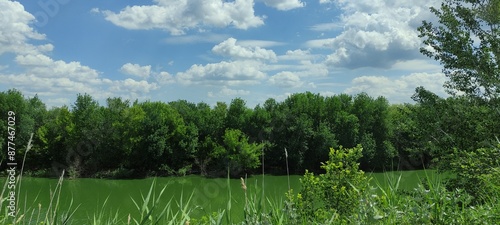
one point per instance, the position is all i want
(477, 172)
(337, 193)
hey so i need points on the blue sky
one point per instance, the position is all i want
(213, 50)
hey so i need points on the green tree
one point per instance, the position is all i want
(87, 136)
(305, 135)
(159, 149)
(25, 121)
(116, 128)
(133, 135)
(466, 41)
(406, 136)
(455, 122)
(217, 121)
(374, 131)
(37, 111)
(239, 153)
(259, 124)
(237, 115)
(342, 122)
(55, 138)
(323, 138)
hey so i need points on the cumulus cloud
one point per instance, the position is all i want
(136, 70)
(297, 54)
(56, 80)
(398, 89)
(16, 31)
(178, 16)
(131, 85)
(376, 33)
(286, 79)
(284, 4)
(303, 64)
(226, 73)
(164, 78)
(229, 48)
(44, 66)
(48, 77)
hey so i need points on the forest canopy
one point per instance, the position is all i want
(130, 139)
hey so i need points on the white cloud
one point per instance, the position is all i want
(280, 97)
(284, 4)
(44, 66)
(130, 85)
(15, 29)
(297, 54)
(48, 77)
(326, 26)
(136, 70)
(320, 43)
(286, 79)
(327, 93)
(95, 10)
(229, 48)
(259, 43)
(230, 92)
(398, 89)
(54, 101)
(376, 33)
(303, 64)
(33, 60)
(227, 73)
(164, 78)
(179, 16)
(417, 65)
(57, 81)
(225, 92)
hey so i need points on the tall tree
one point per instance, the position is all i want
(467, 43)
(113, 150)
(87, 137)
(55, 138)
(163, 129)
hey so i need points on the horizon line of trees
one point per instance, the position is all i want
(130, 139)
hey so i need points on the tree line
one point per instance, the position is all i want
(129, 139)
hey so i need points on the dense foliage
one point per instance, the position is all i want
(124, 139)
(342, 195)
(466, 41)
(337, 191)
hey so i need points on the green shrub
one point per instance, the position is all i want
(477, 172)
(337, 193)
